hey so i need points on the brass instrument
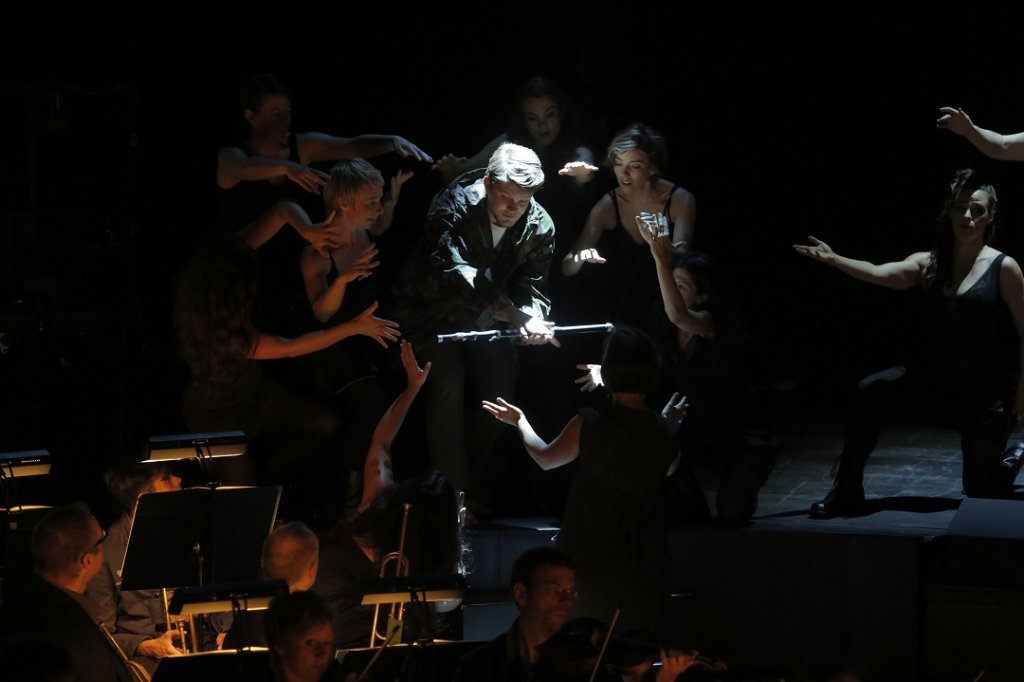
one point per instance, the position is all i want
(135, 669)
(178, 623)
(401, 569)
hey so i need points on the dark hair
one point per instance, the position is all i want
(127, 480)
(940, 266)
(291, 614)
(640, 137)
(433, 539)
(216, 295)
(258, 88)
(718, 300)
(60, 538)
(524, 570)
(536, 87)
(629, 361)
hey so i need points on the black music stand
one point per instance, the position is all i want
(224, 666)
(204, 448)
(198, 536)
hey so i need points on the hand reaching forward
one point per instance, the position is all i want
(590, 381)
(378, 329)
(407, 149)
(954, 119)
(577, 169)
(817, 249)
(587, 256)
(448, 163)
(414, 376)
(503, 411)
(305, 177)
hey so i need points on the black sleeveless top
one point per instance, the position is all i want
(972, 342)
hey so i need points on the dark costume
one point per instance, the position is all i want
(496, 661)
(724, 431)
(132, 616)
(42, 611)
(343, 570)
(456, 280)
(631, 281)
(282, 303)
(613, 525)
(966, 381)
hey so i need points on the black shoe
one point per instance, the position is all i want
(839, 502)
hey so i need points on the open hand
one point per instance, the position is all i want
(590, 381)
(324, 237)
(362, 266)
(817, 249)
(503, 411)
(378, 329)
(407, 149)
(309, 179)
(414, 376)
(955, 120)
(675, 408)
(578, 168)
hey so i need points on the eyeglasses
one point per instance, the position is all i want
(553, 590)
(319, 645)
(103, 536)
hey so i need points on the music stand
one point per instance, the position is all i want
(202, 447)
(414, 588)
(253, 596)
(198, 536)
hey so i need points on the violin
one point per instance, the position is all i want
(588, 650)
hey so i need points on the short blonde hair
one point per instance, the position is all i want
(347, 178)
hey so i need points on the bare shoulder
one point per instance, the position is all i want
(313, 262)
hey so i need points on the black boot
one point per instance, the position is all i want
(847, 495)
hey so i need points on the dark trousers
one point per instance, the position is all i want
(460, 435)
(984, 424)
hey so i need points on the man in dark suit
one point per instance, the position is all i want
(67, 551)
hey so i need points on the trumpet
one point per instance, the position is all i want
(400, 563)
(178, 623)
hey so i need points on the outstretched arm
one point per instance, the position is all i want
(322, 147)
(562, 450)
(377, 473)
(449, 167)
(235, 166)
(902, 274)
(323, 236)
(581, 169)
(271, 347)
(989, 143)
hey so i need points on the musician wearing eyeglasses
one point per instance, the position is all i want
(67, 551)
(544, 587)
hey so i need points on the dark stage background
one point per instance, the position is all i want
(784, 120)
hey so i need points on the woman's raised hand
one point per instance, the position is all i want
(503, 411)
(414, 376)
(954, 119)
